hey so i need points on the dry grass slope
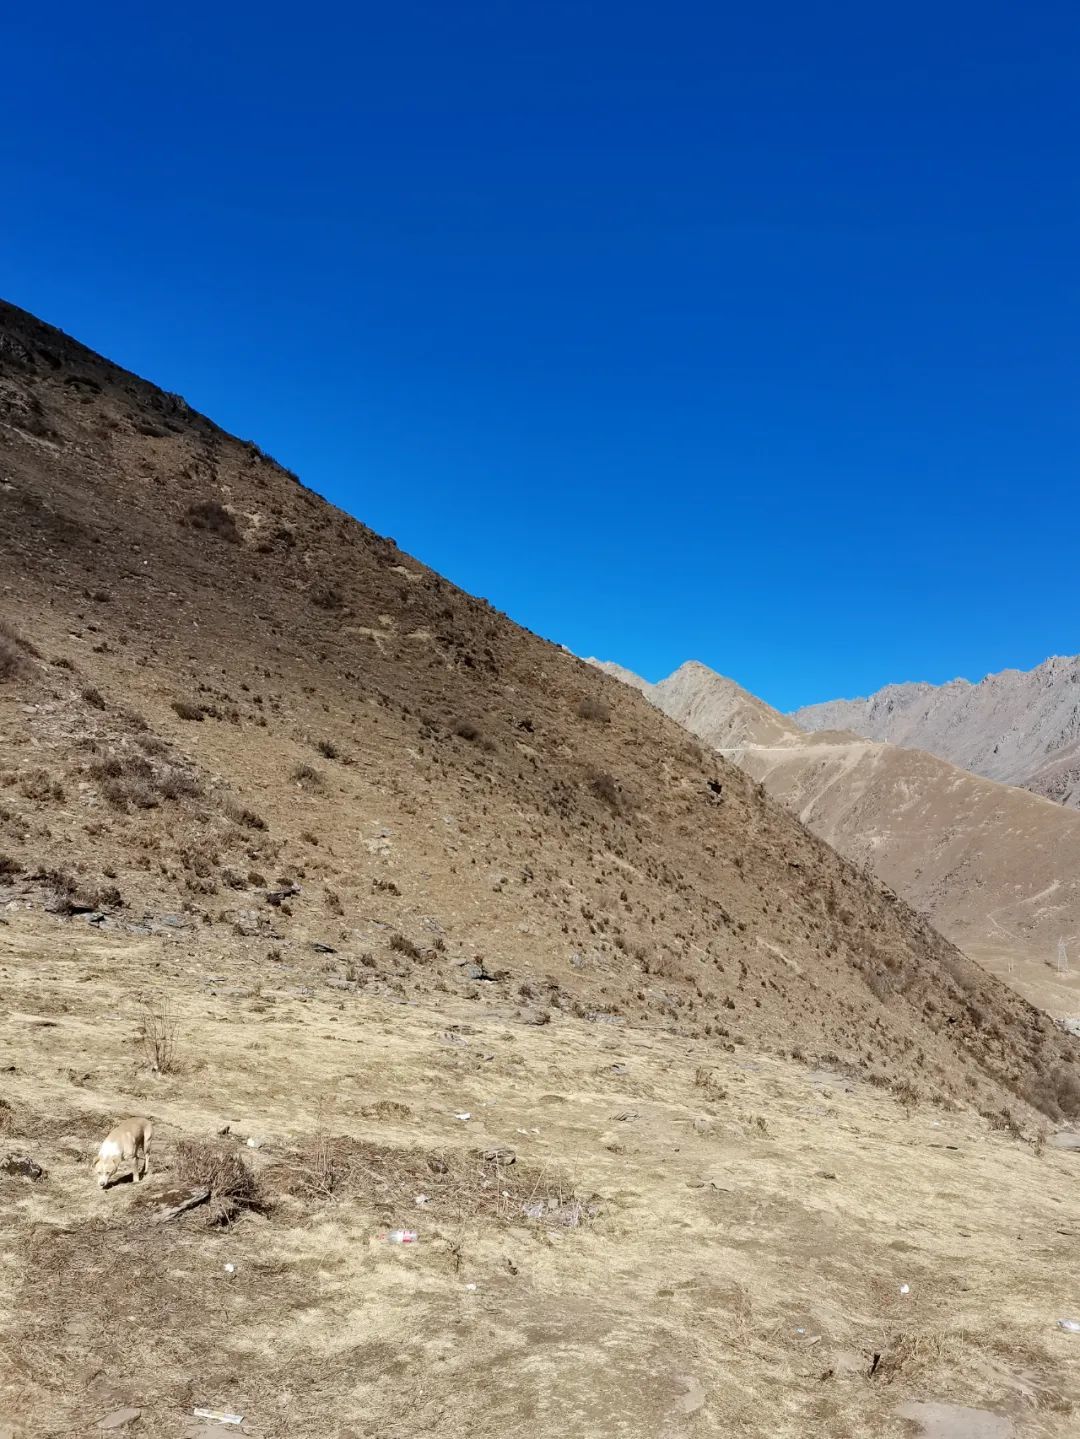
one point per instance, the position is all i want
(497, 881)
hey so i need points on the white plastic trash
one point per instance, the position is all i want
(1071, 1326)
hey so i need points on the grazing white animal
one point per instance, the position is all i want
(127, 1143)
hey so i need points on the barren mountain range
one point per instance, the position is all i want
(517, 1064)
(996, 868)
(1019, 726)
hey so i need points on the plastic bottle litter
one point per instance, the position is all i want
(230, 1269)
(905, 1289)
(218, 1416)
(464, 1117)
(1071, 1326)
(421, 1200)
(470, 1286)
(402, 1236)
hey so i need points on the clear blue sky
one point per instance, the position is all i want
(740, 332)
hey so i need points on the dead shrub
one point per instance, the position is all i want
(878, 983)
(125, 794)
(459, 1185)
(328, 749)
(150, 744)
(708, 1082)
(159, 1035)
(240, 814)
(11, 661)
(466, 730)
(593, 710)
(215, 519)
(14, 648)
(605, 788)
(188, 711)
(326, 597)
(40, 786)
(1067, 1091)
(307, 777)
(9, 867)
(176, 784)
(316, 1171)
(94, 698)
(203, 1164)
(405, 946)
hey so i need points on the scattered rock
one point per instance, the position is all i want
(1065, 1139)
(320, 948)
(22, 1165)
(953, 1421)
(119, 1419)
(693, 1396)
(171, 1203)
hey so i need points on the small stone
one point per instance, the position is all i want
(22, 1165)
(954, 1421)
(119, 1418)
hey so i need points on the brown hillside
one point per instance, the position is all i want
(226, 698)
(395, 917)
(995, 868)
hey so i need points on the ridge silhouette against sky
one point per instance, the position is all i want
(747, 333)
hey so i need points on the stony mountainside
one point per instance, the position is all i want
(997, 869)
(1019, 726)
(225, 702)
(718, 710)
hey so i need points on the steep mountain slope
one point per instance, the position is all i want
(401, 921)
(1020, 726)
(995, 868)
(718, 710)
(239, 691)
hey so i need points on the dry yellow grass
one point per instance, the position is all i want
(747, 1271)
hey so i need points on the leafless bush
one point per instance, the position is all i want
(405, 946)
(125, 794)
(159, 1035)
(188, 711)
(328, 749)
(603, 785)
(212, 516)
(316, 1171)
(40, 786)
(94, 698)
(708, 1082)
(130, 780)
(307, 777)
(14, 646)
(11, 660)
(593, 710)
(465, 729)
(203, 1164)
(326, 597)
(150, 744)
(240, 814)
(175, 784)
